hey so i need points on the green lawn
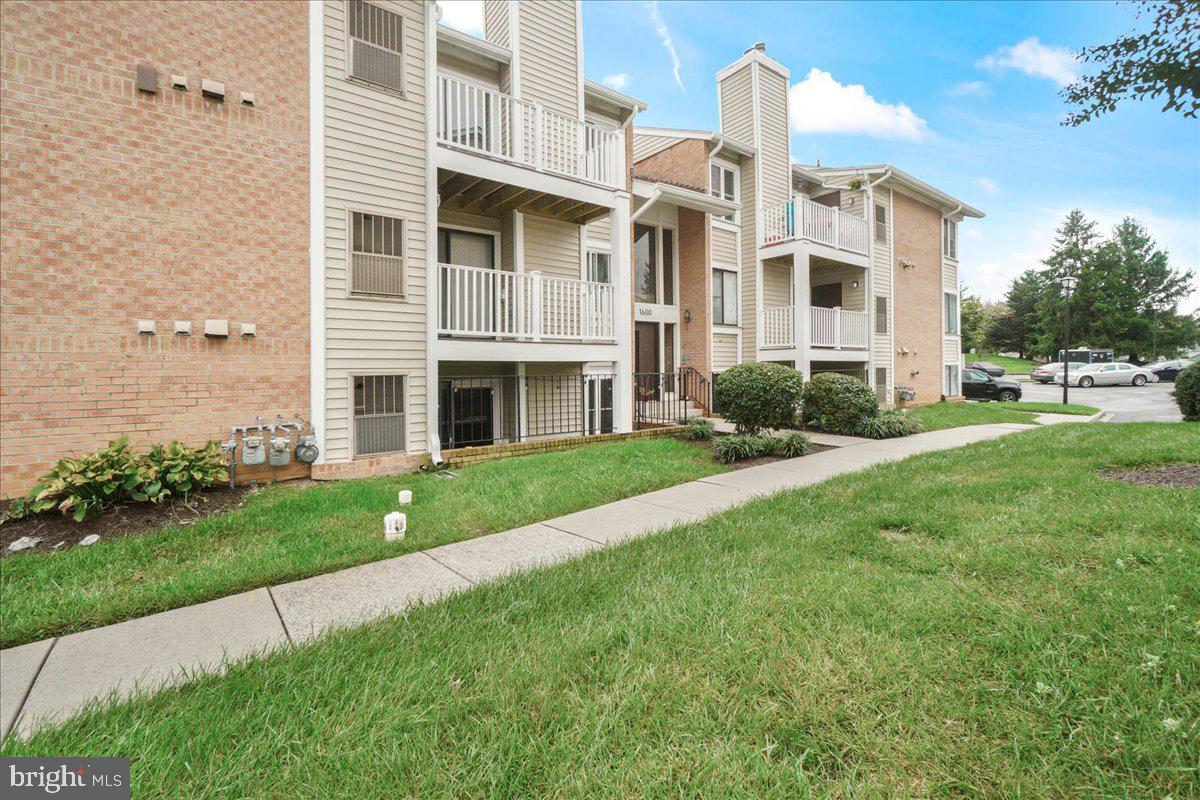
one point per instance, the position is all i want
(937, 416)
(284, 533)
(1012, 366)
(994, 622)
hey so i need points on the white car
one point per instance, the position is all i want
(1118, 374)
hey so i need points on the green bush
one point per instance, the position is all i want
(758, 395)
(83, 487)
(792, 444)
(742, 446)
(176, 469)
(889, 423)
(1187, 393)
(838, 403)
(699, 429)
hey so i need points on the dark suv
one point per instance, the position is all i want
(978, 385)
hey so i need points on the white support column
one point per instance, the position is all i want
(800, 315)
(621, 274)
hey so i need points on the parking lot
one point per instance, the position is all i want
(1149, 403)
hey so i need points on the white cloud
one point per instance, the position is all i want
(618, 81)
(970, 89)
(1034, 58)
(661, 28)
(465, 15)
(987, 185)
(819, 104)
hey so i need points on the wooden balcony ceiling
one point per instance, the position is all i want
(458, 191)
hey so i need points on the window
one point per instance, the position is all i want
(466, 248)
(724, 297)
(375, 51)
(668, 266)
(378, 414)
(951, 313)
(722, 183)
(950, 238)
(645, 264)
(951, 388)
(880, 224)
(376, 255)
(881, 315)
(881, 384)
(598, 266)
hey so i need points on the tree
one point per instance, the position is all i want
(971, 320)
(1073, 253)
(1015, 326)
(1164, 61)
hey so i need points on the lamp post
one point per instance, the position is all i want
(1068, 283)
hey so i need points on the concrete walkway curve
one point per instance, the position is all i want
(46, 682)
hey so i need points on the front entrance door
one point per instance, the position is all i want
(468, 417)
(645, 355)
(827, 295)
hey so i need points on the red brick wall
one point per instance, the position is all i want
(695, 290)
(918, 296)
(684, 164)
(120, 205)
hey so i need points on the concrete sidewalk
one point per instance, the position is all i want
(46, 682)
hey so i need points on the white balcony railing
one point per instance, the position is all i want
(489, 122)
(523, 305)
(838, 328)
(777, 327)
(801, 218)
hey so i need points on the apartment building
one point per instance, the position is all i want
(850, 269)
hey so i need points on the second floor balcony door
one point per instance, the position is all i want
(476, 250)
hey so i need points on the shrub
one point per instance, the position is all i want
(838, 403)
(758, 395)
(699, 429)
(792, 444)
(889, 423)
(1187, 393)
(85, 486)
(176, 469)
(742, 446)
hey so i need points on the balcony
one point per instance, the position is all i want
(801, 218)
(828, 327)
(490, 123)
(523, 306)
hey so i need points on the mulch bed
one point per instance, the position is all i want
(1186, 476)
(124, 520)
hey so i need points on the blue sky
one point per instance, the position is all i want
(962, 95)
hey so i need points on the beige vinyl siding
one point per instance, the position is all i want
(552, 247)
(646, 145)
(854, 202)
(881, 279)
(852, 299)
(773, 127)
(548, 55)
(736, 97)
(949, 275)
(468, 71)
(495, 22)
(375, 162)
(724, 351)
(749, 238)
(777, 285)
(599, 233)
(724, 246)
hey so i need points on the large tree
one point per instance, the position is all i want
(971, 315)
(1073, 253)
(1161, 63)
(1014, 328)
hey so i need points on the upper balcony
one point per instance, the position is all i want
(804, 219)
(489, 123)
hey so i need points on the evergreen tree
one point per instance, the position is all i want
(1015, 325)
(1073, 252)
(971, 317)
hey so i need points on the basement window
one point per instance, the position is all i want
(376, 255)
(379, 418)
(375, 50)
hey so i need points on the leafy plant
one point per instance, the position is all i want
(838, 403)
(83, 487)
(176, 469)
(699, 429)
(757, 395)
(889, 423)
(742, 446)
(1187, 393)
(792, 444)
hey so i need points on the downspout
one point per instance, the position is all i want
(657, 193)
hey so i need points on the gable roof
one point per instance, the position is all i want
(841, 176)
(655, 140)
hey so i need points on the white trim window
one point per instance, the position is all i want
(950, 385)
(722, 183)
(950, 239)
(599, 266)
(951, 312)
(376, 255)
(379, 414)
(881, 223)
(725, 297)
(881, 314)
(375, 45)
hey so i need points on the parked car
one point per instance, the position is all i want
(995, 370)
(1048, 372)
(1120, 374)
(1167, 370)
(978, 385)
